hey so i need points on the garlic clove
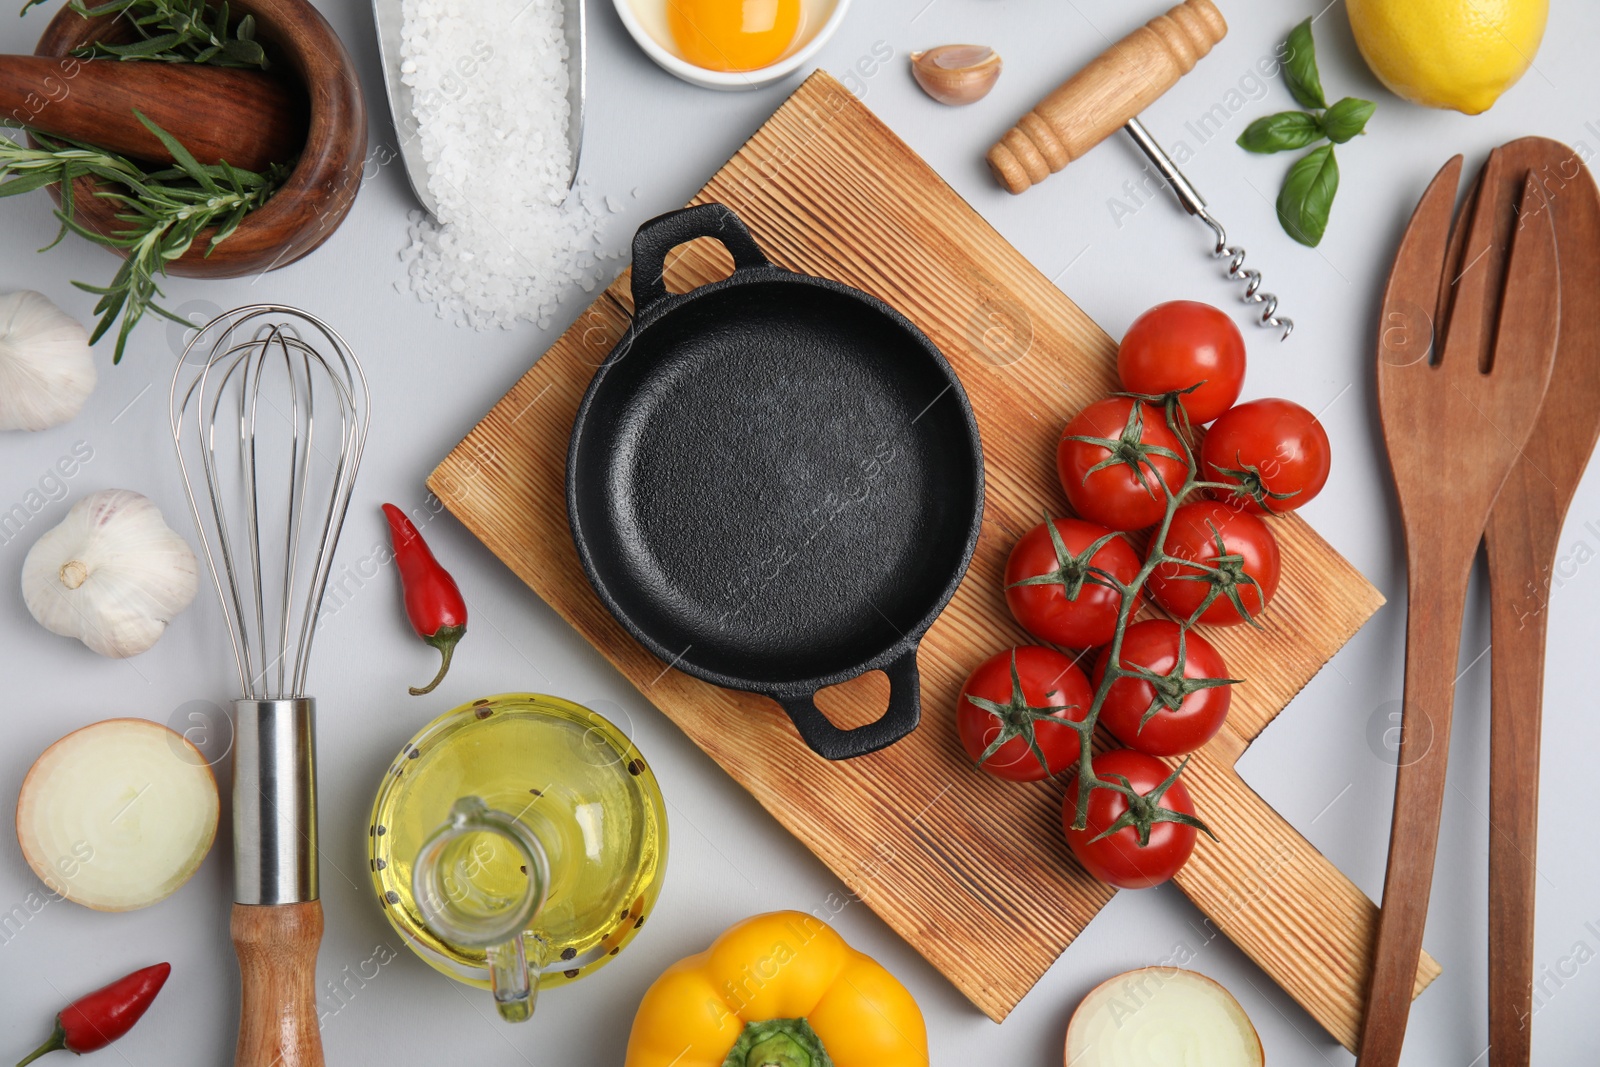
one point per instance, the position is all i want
(112, 574)
(956, 74)
(46, 367)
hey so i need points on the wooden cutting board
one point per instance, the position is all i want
(971, 871)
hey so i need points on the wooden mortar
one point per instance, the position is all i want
(318, 194)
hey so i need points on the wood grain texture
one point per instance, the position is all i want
(319, 192)
(250, 118)
(1111, 89)
(973, 872)
(1452, 433)
(277, 949)
(1523, 542)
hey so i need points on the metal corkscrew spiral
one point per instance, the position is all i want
(1237, 271)
(1192, 202)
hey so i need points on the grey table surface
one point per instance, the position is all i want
(1327, 764)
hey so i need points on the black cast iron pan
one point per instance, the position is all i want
(775, 482)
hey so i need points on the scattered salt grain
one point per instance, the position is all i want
(489, 90)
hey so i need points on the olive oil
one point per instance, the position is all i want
(567, 775)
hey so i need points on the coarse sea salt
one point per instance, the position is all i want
(489, 88)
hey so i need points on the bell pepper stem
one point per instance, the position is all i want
(778, 1043)
(779, 1050)
(445, 640)
(58, 1040)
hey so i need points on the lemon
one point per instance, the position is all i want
(1459, 54)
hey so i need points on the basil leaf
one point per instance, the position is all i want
(1307, 195)
(1347, 118)
(1283, 132)
(1300, 68)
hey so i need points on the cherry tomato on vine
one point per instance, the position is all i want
(1127, 858)
(1050, 590)
(1178, 711)
(1237, 559)
(1274, 450)
(1010, 714)
(1119, 477)
(1178, 344)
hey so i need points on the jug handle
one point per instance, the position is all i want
(515, 956)
(514, 976)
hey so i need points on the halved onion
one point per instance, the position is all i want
(1161, 1017)
(117, 815)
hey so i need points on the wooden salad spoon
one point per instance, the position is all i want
(1523, 543)
(1454, 424)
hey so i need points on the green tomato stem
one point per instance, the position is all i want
(1130, 591)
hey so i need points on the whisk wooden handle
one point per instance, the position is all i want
(1098, 100)
(277, 948)
(248, 117)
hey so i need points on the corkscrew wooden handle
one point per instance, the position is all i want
(277, 948)
(1098, 100)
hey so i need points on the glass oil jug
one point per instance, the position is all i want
(518, 842)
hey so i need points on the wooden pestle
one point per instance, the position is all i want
(249, 118)
(1100, 99)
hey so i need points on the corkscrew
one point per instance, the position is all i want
(1107, 95)
(1195, 204)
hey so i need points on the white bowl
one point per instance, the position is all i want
(721, 79)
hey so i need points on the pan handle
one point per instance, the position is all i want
(830, 742)
(663, 233)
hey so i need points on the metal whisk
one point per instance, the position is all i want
(268, 413)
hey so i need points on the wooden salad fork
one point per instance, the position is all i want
(1523, 542)
(1455, 417)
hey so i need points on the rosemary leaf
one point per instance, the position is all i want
(162, 213)
(180, 155)
(148, 48)
(113, 8)
(27, 182)
(174, 31)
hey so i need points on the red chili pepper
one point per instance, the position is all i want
(94, 1021)
(433, 601)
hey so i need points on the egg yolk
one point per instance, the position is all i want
(733, 35)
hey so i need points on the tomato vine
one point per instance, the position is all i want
(1222, 571)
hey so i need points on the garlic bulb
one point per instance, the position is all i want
(113, 574)
(46, 370)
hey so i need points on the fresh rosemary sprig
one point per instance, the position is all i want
(165, 212)
(174, 31)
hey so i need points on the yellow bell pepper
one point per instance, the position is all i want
(778, 990)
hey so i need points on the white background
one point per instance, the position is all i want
(1322, 764)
